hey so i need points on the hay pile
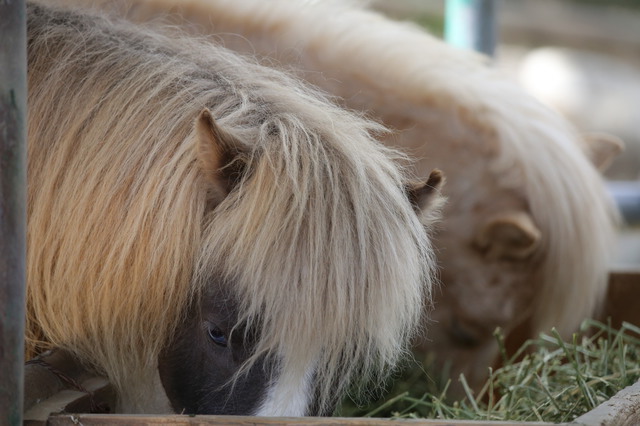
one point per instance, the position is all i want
(548, 380)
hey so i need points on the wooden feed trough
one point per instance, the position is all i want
(57, 390)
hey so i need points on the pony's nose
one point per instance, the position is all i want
(466, 334)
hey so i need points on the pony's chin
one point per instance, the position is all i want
(284, 400)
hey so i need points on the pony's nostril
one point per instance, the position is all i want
(463, 335)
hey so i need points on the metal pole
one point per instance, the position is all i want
(471, 24)
(13, 112)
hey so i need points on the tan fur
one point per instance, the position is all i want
(501, 151)
(325, 252)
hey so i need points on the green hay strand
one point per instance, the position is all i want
(547, 380)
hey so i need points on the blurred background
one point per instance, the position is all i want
(579, 57)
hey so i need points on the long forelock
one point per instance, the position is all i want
(569, 202)
(318, 244)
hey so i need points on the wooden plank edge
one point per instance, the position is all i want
(180, 420)
(621, 410)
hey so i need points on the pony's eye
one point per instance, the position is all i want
(218, 336)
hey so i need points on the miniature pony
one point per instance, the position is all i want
(211, 234)
(527, 232)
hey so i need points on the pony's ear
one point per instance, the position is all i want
(425, 196)
(511, 235)
(221, 156)
(602, 149)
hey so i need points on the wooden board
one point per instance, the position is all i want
(124, 420)
(621, 410)
(623, 298)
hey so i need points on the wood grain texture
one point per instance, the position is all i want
(122, 420)
(621, 410)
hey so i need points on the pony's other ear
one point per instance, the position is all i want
(220, 155)
(425, 197)
(602, 149)
(511, 235)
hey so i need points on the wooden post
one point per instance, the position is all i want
(13, 132)
(471, 24)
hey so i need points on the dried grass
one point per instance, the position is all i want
(548, 380)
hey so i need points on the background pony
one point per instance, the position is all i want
(526, 239)
(211, 225)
